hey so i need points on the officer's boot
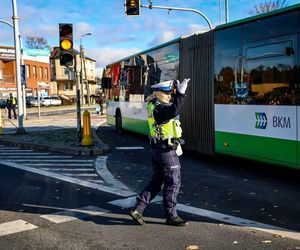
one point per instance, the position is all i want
(177, 221)
(137, 216)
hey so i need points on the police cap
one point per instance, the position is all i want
(166, 86)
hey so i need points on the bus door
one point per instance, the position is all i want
(268, 73)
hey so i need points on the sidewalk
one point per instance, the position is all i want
(55, 131)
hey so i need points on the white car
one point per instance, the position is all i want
(51, 101)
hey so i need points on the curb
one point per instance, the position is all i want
(99, 148)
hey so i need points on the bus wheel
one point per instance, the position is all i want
(119, 122)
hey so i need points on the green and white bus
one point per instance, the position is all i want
(244, 94)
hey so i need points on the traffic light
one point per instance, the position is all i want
(132, 7)
(66, 44)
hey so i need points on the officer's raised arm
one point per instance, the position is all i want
(163, 113)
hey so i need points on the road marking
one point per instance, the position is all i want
(53, 160)
(129, 148)
(15, 227)
(24, 153)
(32, 156)
(69, 169)
(130, 202)
(101, 169)
(16, 150)
(57, 165)
(90, 184)
(74, 214)
(81, 175)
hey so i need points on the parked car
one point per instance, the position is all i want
(34, 102)
(56, 101)
(28, 101)
(2, 103)
(51, 101)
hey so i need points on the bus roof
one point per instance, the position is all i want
(147, 50)
(260, 16)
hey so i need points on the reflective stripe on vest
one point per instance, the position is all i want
(171, 129)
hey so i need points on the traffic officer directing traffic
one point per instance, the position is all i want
(11, 103)
(165, 133)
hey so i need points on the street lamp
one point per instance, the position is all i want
(82, 59)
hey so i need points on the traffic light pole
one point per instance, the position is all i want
(150, 6)
(77, 71)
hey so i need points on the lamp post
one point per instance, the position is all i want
(82, 63)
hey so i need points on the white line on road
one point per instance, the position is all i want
(130, 202)
(81, 175)
(24, 153)
(15, 227)
(70, 169)
(101, 169)
(109, 189)
(16, 150)
(62, 164)
(54, 160)
(74, 214)
(32, 157)
(129, 148)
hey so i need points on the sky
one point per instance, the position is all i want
(115, 35)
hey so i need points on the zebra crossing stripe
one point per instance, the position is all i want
(85, 183)
(69, 169)
(74, 214)
(25, 153)
(129, 148)
(54, 160)
(15, 227)
(56, 165)
(31, 156)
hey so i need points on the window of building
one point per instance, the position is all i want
(41, 72)
(34, 72)
(27, 71)
(46, 73)
(68, 86)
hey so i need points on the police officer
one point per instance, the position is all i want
(165, 133)
(11, 103)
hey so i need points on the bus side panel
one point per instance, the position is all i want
(134, 116)
(260, 132)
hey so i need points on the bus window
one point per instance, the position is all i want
(269, 72)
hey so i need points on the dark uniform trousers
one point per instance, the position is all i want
(166, 171)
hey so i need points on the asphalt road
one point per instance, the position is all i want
(57, 214)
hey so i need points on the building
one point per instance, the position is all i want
(36, 72)
(65, 77)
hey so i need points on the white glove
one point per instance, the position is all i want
(181, 86)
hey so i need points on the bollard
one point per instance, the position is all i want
(87, 131)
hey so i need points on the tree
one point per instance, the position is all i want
(268, 6)
(33, 42)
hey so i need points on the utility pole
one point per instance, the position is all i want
(20, 129)
(86, 79)
(81, 67)
(226, 12)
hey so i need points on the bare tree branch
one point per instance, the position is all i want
(268, 6)
(33, 42)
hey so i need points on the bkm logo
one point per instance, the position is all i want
(261, 120)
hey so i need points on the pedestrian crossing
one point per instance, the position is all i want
(62, 216)
(65, 165)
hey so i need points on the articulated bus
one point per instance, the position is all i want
(244, 94)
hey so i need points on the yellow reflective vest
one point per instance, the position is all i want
(170, 129)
